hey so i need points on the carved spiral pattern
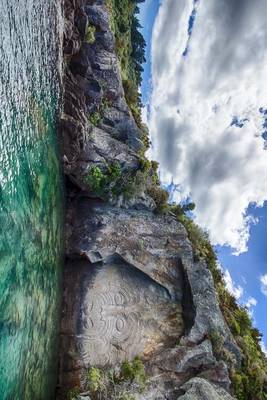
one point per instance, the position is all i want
(122, 311)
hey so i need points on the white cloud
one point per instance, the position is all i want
(195, 99)
(263, 280)
(144, 114)
(251, 302)
(236, 291)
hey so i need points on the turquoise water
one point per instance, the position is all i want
(30, 198)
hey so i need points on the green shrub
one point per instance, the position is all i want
(119, 384)
(94, 380)
(145, 135)
(134, 371)
(104, 183)
(145, 164)
(90, 34)
(250, 381)
(217, 342)
(73, 393)
(132, 184)
(160, 196)
(111, 182)
(96, 180)
(130, 48)
(239, 382)
(105, 104)
(95, 118)
(125, 396)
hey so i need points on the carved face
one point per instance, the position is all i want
(125, 313)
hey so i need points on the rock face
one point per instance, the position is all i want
(131, 283)
(200, 389)
(93, 86)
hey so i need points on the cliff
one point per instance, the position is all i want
(133, 285)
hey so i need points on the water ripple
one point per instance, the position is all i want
(30, 197)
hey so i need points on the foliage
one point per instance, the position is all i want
(95, 118)
(120, 384)
(130, 46)
(104, 183)
(145, 164)
(160, 196)
(180, 210)
(217, 342)
(134, 371)
(90, 34)
(125, 396)
(250, 381)
(73, 393)
(95, 180)
(94, 380)
(112, 182)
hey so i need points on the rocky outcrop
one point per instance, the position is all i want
(200, 389)
(131, 283)
(132, 287)
(93, 87)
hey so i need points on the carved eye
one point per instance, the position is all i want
(120, 324)
(88, 323)
(119, 299)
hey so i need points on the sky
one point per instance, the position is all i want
(205, 94)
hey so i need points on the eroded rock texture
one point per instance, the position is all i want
(132, 288)
(131, 283)
(123, 313)
(200, 389)
(93, 84)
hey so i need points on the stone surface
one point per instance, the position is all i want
(131, 283)
(93, 84)
(83, 397)
(196, 358)
(123, 313)
(153, 244)
(132, 287)
(200, 389)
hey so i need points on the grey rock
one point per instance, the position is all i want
(198, 357)
(208, 316)
(133, 258)
(131, 283)
(218, 375)
(142, 239)
(81, 397)
(200, 389)
(139, 201)
(101, 149)
(92, 78)
(98, 16)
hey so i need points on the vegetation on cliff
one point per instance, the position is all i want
(250, 380)
(130, 47)
(121, 383)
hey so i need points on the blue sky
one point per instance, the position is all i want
(247, 268)
(149, 10)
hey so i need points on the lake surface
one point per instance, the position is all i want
(31, 201)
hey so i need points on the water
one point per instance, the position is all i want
(30, 198)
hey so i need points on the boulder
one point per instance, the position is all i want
(200, 389)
